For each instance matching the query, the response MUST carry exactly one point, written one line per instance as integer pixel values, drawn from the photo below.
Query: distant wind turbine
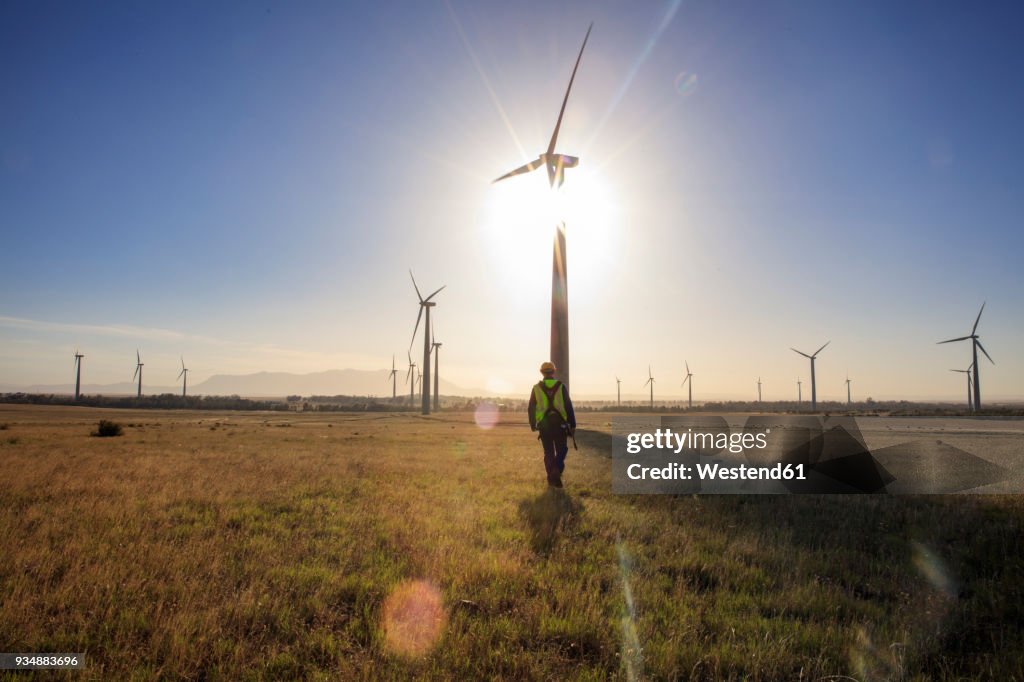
(425, 304)
(618, 389)
(814, 388)
(688, 379)
(436, 346)
(976, 344)
(556, 165)
(650, 380)
(799, 391)
(848, 380)
(393, 376)
(183, 374)
(759, 389)
(78, 373)
(411, 375)
(970, 399)
(138, 370)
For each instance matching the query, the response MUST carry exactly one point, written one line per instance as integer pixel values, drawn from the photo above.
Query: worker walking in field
(551, 413)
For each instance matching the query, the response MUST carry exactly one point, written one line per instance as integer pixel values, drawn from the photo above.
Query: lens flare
(413, 618)
(934, 569)
(486, 415)
(632, 658)
(686, 83)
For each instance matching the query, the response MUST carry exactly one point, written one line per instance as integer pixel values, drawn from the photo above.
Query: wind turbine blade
(800, 352)
(415, 329)
(985, 351)
(138, 358)
(181, 372)
(647, 382)
(136, 373)
(978, 319)
(820, 349)
(533, 165)
(433, 294)
(962, 338)
(415, 287)
(684, 381)
(558, 124)
(687, 367)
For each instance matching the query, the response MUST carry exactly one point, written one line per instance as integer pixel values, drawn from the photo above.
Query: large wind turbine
(393, 376)
(970, 400)
(976, 344)
(78, 373)
(183, 374)
(814, 391)
(425, 304)
(138, 370)
(689, 378)
(650, 380)
(556, 165)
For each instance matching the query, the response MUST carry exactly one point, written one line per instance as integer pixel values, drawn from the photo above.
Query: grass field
(300, 546)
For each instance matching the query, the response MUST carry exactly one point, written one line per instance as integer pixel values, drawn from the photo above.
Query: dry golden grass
(302, 546)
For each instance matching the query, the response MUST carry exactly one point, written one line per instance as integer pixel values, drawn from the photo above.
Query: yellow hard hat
(547, 367)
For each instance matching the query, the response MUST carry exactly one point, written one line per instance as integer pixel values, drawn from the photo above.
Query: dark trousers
(556, 447)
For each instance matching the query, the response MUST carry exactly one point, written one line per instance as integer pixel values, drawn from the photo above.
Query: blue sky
(247, 185)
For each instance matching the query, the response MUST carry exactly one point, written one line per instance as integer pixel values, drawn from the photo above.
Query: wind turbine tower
(814, 391)
(618, 389)
(688, 379)
(183, 374)
(556, 165)
(436, 345)
(650, 380)
(78, 374)
(425, 304)
(848, 400)
(976, 344)
(759, 389)
(799, 391)
(970, 399)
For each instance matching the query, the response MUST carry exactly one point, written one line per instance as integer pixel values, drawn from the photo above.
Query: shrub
(107, 429)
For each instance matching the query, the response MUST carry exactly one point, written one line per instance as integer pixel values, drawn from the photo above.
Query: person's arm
(532, 408)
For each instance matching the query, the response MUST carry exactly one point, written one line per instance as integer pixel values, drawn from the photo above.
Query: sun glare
(518, 225)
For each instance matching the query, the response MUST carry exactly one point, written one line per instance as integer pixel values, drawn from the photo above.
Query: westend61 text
(717, 472)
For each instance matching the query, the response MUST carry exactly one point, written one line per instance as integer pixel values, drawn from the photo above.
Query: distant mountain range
(352, 382)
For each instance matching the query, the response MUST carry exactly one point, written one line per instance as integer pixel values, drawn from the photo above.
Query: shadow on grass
(595, 442)
(928, 583)
(548, 514)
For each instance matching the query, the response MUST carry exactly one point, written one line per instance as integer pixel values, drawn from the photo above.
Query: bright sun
(518, 224)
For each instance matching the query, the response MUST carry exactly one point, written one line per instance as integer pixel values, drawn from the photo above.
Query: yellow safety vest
(540, 394)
